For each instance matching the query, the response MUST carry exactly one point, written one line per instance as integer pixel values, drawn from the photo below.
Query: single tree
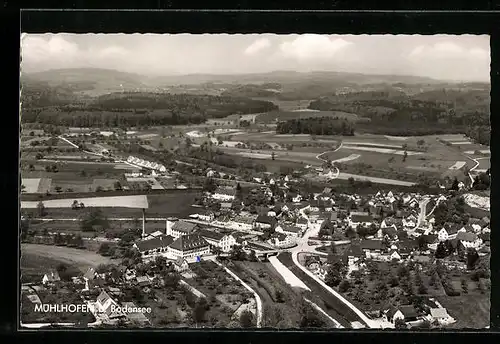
(246, 319)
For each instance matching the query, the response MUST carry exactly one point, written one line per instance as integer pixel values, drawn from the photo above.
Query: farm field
(30, 184)
(82, 259)
(33, 265)
(484, 164)
(137, 201)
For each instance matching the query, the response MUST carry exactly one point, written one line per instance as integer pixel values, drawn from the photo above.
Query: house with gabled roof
(356, 219)
(469, 240)
(180, 264)
(51, 277)
(189, 246)
(224, 193)
(289, 230)
(265, 222)
(223, 241)
(177, 228)
(407, 313)
(302, 223)
(107, 307)
(154, 247)
(280, 240)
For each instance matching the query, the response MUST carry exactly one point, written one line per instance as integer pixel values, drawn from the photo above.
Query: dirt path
(82, 258)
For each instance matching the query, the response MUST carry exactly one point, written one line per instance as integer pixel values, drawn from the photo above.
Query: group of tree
(316, 126)
(93, 219)
(140, 109)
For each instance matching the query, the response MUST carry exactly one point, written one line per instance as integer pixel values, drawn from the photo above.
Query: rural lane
(257, 297)
(346, 176)
(303, 246)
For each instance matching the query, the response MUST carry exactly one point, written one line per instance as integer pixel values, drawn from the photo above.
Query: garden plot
(44, 185)
(147, 136)
(138, 201)
(104, 183)
(481, 151)
(155, 185)
(396, 138)
(372, 144)
(458, 165)
(255, 155)
(347, 158)
(126, 167)
(460, 142)
(31, 184)
(380, 150)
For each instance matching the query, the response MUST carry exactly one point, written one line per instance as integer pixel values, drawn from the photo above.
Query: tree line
(316, 126)
(139, 109)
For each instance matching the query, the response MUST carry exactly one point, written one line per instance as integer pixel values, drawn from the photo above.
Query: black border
(217, 22)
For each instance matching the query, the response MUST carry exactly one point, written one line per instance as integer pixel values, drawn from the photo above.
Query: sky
(443, 57)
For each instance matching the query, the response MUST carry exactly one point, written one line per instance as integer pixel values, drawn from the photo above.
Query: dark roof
(465, 236)
(183, 226)
(188, 242)
(485, 236)
(371, 244)
(408, 311)
(302, 220)
(430, 238)
(290, 228)
(205, 233)
(151, 244)
(265, 219)
(361, 218)
(354, 250)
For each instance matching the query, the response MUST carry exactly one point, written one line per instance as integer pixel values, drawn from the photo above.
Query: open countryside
(276, 200)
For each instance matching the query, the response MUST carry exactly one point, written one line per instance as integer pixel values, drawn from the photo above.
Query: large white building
(223, 241)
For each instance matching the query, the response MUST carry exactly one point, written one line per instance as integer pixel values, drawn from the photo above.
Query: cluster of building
(146, 164)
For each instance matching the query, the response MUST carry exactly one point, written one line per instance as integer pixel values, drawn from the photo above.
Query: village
(348, 243)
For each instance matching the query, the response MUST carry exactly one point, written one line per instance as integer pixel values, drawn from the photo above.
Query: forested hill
(425, 113)
(141, 108)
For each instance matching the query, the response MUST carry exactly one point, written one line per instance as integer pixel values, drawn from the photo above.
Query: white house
(106, 306)
(280, 240)
(443, 234)
(289, 230)
(224, 241)
(224, 194)
(297, 199)
(176, 228)
(469, 240)
(51, 277)
(302, 223)
(180, 264)
(440, 315)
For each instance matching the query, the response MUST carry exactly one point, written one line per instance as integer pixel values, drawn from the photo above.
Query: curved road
(303, 246)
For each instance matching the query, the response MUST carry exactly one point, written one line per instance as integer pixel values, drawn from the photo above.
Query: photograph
(254, 181)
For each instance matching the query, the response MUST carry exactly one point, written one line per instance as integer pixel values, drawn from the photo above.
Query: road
(423, 208)
(346, 176)
(303, 246)
(257, 297)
